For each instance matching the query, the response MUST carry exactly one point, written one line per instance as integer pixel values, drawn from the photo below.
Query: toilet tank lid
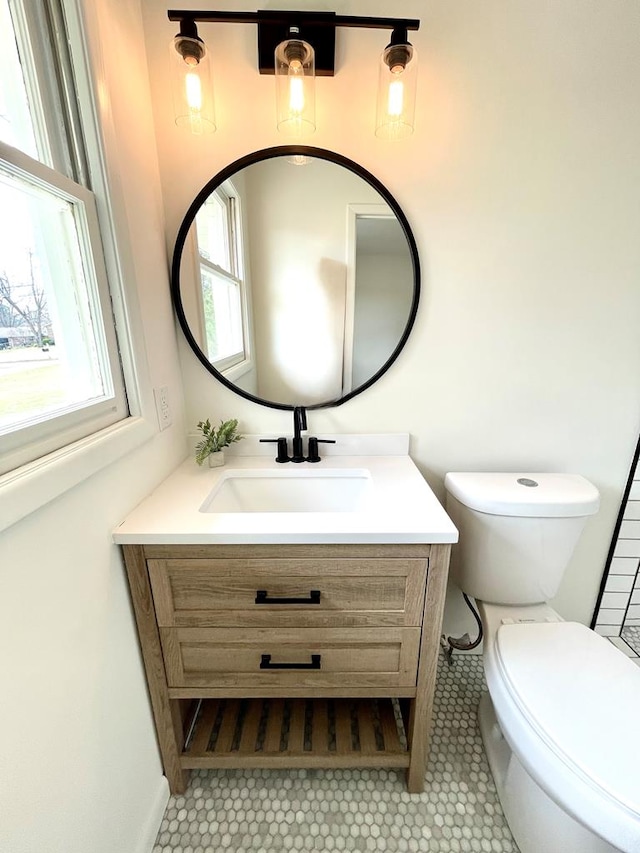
(524, 494)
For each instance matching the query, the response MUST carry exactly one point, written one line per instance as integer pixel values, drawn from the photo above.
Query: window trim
(47, 70)
(29, 442)
(236, 364)
(32, 486)
(234, 358)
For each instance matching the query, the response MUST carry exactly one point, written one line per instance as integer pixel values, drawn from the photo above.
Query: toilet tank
(517, 532)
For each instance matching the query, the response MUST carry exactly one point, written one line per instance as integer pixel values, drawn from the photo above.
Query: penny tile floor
(631, 634)
(238, 811)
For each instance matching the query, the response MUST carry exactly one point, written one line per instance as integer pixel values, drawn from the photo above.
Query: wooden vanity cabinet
(290, 655)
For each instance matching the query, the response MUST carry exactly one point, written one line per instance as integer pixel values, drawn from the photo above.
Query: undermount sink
(290, 490)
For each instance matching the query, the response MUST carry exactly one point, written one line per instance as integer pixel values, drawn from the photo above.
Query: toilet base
(537, 823)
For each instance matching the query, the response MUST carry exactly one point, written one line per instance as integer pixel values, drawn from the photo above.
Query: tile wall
(617, 613)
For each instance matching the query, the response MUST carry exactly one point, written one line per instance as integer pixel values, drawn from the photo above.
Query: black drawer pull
(265, 663)
(261, 598)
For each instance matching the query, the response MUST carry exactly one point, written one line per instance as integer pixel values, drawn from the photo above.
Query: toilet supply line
(463, 643)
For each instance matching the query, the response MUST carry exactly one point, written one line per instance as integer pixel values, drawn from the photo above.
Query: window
(222, 280)
(60, 377)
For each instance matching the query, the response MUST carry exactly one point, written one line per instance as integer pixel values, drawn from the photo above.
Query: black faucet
(299, 424)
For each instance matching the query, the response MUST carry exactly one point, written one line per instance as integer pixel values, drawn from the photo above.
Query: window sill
(31, 486)
(238, 370)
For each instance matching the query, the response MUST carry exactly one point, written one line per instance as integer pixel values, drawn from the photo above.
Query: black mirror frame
(224, 175)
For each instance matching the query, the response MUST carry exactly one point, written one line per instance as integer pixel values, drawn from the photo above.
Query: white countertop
(402, 509)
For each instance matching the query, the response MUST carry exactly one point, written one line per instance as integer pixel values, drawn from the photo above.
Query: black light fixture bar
(285, 17)
(377, 23)
(318, 28)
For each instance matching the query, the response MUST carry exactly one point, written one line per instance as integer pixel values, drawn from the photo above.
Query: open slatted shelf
(295, 733)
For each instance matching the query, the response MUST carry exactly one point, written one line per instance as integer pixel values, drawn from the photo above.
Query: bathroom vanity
(289, 614)
(291, 638)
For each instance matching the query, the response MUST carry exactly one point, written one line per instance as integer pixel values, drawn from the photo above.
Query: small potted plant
(214, 439)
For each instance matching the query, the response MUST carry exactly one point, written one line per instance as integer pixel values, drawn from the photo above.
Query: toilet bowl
(556, 723)
(559, 723)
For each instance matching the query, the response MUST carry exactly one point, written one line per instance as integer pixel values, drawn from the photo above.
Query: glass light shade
(298, 160)
(397, 91)
(295, 87)
(191, 85)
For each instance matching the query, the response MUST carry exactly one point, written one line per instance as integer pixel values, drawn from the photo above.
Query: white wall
(80, 771)
(520, 184)
(298, 273)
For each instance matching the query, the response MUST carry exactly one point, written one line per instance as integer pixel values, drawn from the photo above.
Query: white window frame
(64, 426)
(32, 485)
(236, 364)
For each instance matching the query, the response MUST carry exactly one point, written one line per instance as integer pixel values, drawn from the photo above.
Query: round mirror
(295, 277)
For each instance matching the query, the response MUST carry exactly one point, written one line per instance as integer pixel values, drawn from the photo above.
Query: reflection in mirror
(221, 293)
(297, 282)
(631, 635)
(380, 311)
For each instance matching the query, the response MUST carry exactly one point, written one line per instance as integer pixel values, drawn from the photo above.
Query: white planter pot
(216, 459)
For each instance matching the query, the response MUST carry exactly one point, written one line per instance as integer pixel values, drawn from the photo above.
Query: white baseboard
(151, 825)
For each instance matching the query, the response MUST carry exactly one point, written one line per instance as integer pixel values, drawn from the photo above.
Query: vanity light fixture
(192, 88)
(397, 87)
(295, 85)
(295, 47)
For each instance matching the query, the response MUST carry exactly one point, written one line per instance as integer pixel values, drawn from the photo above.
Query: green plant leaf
(215, 439)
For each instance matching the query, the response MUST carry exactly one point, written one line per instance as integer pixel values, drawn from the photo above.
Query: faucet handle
(283, 451)
(314, 456)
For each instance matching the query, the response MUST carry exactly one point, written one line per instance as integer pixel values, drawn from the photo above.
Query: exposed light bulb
(296, 87)
(395, 100)
(396, 88)
(295, 79)
(193, 90)
(191, 83)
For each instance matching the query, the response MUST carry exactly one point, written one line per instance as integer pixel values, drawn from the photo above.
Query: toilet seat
(567, 700)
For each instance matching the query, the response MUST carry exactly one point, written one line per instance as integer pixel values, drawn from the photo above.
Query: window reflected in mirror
(222, 294)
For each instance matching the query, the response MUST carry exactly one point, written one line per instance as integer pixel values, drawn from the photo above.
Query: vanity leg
(166, 712)
(419, 730)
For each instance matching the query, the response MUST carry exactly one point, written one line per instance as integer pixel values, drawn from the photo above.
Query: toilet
(560, 721)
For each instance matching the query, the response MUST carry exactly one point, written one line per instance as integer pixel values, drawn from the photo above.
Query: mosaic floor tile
(631, 635)
(265, 811)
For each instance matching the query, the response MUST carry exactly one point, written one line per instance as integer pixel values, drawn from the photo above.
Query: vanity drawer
(298, 659)
(288, 592)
